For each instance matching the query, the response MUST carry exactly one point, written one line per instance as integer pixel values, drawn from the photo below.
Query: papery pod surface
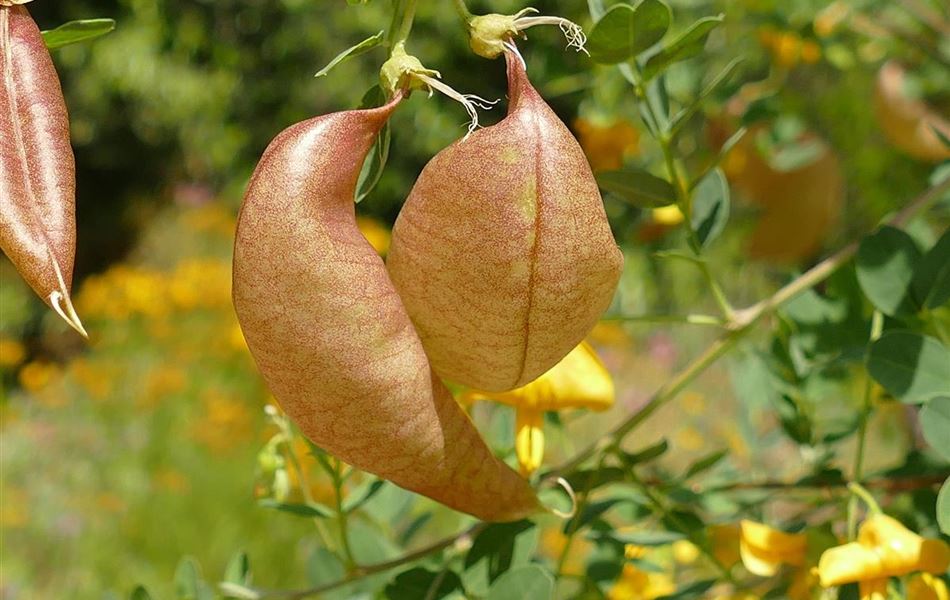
(502, 252)
(331, 336)
(38, 174)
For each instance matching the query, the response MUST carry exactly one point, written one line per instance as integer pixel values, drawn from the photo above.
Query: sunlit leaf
(74, 32)
(361, 48)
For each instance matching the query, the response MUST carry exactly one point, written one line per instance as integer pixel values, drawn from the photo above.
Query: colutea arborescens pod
(37, 169)
(502, 252)
(331, 336)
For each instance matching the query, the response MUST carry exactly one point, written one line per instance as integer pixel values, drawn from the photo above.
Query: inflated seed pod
(37, 168)
(502, 252)
(331, 336)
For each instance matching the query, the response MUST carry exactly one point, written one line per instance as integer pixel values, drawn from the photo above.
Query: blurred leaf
(413, 528)
(796, 155)
(188, 582)
(313, 510)
(379, 154)
(885, 266)
(238, 569)
(237, 591)
(693, 590)
(361, 48)
(795, 423)
(637, 187)
(74, 32)
(525, 583)
(943, 508)
(422, 583)
(930, 286)
(625, 31)
(710, 206)
(940, 135)
(324, 567)
(687, 45)
(591, 479)
(591, 511)
(498, 548)
(683, 116)
(705, 463)
(911, 366)
(647, 454)
(935, 422)
(647, 538)
(362, 494)
(140, 593)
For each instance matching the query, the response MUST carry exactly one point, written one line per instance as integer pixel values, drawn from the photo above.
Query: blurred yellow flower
(607, 145)
(873, 589)
(36, 375)
(685, 552)
(636, 584)
(924, 586)
(15, 509)
(724, 539)
(764, 549)
(552, 545)
(690, 438)
(885, 548)
(377, 234)
(12, 352)
(171, 480)
(226, 423)
(580, 380)
(669, 215)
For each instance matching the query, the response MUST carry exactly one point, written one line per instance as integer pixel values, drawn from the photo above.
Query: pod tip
(63, 306)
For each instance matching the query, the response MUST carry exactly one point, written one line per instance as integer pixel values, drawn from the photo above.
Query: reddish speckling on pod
(502, 252)
(331, 336)
(37, 168)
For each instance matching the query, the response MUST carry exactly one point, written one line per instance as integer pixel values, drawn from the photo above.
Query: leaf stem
(857, 472)
(462, 10)
(403, 15)
(707, 320)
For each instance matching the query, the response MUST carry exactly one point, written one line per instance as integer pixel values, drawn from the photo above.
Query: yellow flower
(685, 552)
(606, 145)
(885, 548)
(764, 549)
(724, 539)
(636, 584)
(925, 586)
(669, 215)
(12, 352)
(375, 233)
(580, 380)
(36, 375)
(873, 589)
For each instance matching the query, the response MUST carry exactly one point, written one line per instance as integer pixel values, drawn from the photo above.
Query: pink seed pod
(331, 336)
(502, 252)
(37, 168)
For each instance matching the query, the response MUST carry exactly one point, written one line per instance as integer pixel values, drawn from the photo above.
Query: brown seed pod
(502, 253)
(38, 174)
(331, 336)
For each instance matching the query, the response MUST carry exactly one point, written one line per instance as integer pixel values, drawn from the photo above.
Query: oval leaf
(885, 266)
(943, 508)
(637, 187)
(689, 43)
(626, 31)
(935, 422)
(710, 206)
(364, 46)
(930, 286)
(911, 366)
(525, 583)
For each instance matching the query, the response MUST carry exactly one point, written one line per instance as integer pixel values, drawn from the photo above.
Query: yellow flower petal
(874, 589)
(925, 586)
(848, 563)
(580, 380)
(529, 439)
(901, 550)
(764, 549)
(667, 215)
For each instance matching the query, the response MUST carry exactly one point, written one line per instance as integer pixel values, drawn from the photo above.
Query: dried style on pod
(331, 336)
(38, 174)
(502, 253)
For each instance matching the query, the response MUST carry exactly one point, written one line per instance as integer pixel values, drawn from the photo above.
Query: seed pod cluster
(502, 253)
(38, 178)
(331, 336)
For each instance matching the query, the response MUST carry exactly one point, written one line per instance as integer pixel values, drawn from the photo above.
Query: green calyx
(488, 33)
(402, 70)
